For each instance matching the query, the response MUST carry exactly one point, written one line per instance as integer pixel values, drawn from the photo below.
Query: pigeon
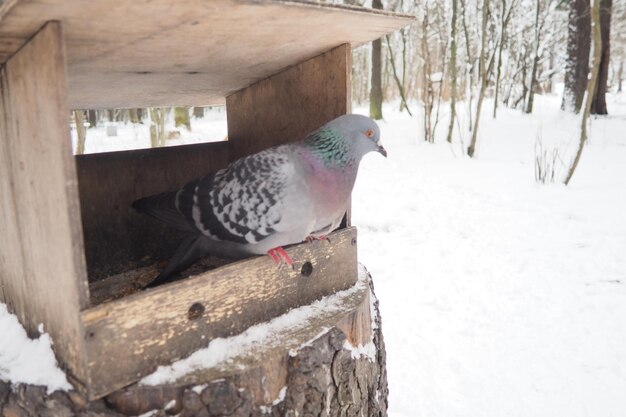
(258, 204)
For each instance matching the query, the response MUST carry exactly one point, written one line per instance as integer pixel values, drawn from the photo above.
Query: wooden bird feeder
(71, 244)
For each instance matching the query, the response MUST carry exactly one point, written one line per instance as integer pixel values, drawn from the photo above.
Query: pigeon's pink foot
(314, 238)
(279, 255)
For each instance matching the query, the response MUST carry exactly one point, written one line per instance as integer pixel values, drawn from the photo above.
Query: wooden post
(42, 267)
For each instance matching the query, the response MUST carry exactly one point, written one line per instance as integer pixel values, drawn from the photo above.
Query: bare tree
(598, 105)
(483, 77)
(452, 66)
(577, 64)
(591, 86)
(181, 117)
(376, 92)
(81, 134)
(157, 126)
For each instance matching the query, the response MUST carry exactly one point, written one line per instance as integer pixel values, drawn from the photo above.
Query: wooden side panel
(289, 105)
(116, 237)
(128, 338)
(11, 258)
(43, 268)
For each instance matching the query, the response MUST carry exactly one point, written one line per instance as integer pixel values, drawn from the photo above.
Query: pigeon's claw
(279, 255)
(312, 238)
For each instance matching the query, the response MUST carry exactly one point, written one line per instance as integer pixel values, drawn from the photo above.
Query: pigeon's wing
(163, 207)
(243, 203)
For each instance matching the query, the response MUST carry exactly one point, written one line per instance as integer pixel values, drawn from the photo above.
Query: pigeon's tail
(189, 250)
(163, 207)
(193, 247)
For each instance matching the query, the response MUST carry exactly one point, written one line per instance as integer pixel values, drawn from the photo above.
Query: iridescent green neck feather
(330, 146)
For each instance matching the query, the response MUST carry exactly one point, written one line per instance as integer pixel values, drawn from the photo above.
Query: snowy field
(500, 296)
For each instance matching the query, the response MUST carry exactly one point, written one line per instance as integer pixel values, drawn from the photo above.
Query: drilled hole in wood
(307, 269)
(195, 311)
(353, 242)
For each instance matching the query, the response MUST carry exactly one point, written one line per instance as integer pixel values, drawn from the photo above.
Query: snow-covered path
(500, 297)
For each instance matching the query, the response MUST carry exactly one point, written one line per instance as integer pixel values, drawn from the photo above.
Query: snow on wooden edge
(224, 350)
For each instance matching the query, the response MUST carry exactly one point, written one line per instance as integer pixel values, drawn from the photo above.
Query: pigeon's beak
(381, 150)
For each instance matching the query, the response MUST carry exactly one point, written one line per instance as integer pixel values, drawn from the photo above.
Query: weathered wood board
(213, 48)
(116, 237)
(128, 338)
(261, 365)
(42, 259)
(287, 106)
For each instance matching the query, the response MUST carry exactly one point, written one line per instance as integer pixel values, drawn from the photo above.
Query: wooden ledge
(127, 338)
(258, 357)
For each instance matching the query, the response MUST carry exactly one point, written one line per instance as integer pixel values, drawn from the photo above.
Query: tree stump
(340, 371)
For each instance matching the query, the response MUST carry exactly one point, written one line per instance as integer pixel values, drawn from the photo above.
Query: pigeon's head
(361, 133)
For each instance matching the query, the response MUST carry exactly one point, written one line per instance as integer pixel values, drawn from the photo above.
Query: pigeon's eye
(369, 133)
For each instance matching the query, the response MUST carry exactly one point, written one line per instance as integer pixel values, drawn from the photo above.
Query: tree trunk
(134, 116)
(92, 118)
(591, 87)
(198, 112)
(533, 71)
(468, 67)
(81, 134)
(181, 117)
(598, 105)
(376, 91)
(483, 78)
(157, 126)
(453, 80)
(577, 63)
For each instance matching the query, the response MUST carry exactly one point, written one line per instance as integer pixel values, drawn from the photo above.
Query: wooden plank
(263, 367)
(213, 48)
(50, 285)
(117, 238)
(11, 257)
(128, 338)
(289, 105)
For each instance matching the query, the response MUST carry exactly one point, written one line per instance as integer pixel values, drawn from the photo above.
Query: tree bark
(484, 73)
(598, 105)
(157, 126)
(577, 63)
(181, 117)
(81, 134)
(376, 91)
(453, 81)
(591, 87)
(533, 71)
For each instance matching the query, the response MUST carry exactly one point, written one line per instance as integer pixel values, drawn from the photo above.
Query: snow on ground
(499, 296)
(23, 360)
(210, 128)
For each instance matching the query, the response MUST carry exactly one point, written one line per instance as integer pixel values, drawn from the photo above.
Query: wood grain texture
(263, 371)
(128, 338)
(287, 106)
(116, 237)
(214, 48)
(43, 268)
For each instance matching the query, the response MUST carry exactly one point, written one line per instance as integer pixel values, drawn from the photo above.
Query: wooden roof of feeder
(162, 52)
